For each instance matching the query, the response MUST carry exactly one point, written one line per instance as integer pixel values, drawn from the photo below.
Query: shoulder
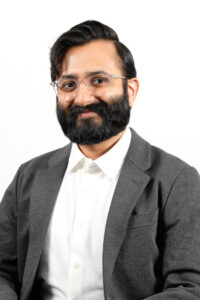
(166, 162)
(170, 169)
(45, 160)
(162, 167)
(147, 156)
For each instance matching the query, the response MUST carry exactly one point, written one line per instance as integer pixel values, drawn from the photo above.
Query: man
(108, 216)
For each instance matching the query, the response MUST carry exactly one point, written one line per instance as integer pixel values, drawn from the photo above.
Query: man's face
(88, 119)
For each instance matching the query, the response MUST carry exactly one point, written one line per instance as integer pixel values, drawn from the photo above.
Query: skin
(93, 56)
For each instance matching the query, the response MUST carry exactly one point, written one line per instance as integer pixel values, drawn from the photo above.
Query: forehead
(90, 57)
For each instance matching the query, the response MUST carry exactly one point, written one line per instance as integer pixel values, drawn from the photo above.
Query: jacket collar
(139, 152)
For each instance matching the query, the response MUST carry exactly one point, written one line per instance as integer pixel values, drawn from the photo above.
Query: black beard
(114, 117)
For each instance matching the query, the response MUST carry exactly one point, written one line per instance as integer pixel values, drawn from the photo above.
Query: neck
(96, 150)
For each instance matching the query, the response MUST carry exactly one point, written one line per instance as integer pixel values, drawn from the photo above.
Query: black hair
(83, 33)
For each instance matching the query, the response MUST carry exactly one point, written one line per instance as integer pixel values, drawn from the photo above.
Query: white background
(164, 37)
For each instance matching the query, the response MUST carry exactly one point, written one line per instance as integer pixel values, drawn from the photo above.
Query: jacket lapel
(43, 197)
(131, 184)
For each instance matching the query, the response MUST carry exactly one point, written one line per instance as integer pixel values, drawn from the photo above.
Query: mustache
(98, 108)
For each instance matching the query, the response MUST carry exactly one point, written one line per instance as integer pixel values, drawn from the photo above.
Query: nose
(84, 97)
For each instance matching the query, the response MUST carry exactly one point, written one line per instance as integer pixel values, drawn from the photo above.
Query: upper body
(151, 241)
(150, 237)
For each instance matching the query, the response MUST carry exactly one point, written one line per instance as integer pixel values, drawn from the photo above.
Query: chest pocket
(143, 219)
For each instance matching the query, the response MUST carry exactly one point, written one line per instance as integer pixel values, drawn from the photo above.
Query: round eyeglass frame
(85, 81)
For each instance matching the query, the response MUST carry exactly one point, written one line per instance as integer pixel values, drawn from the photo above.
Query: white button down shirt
(71, 262)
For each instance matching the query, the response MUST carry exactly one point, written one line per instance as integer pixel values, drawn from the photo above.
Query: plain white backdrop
(163, 36)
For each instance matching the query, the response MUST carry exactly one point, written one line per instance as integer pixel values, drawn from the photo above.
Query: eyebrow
(74, 76)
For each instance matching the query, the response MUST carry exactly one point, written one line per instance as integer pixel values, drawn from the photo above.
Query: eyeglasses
(98, 84)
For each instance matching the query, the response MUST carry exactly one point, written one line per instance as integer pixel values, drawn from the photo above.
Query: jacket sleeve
(9, 285)
(181, 239)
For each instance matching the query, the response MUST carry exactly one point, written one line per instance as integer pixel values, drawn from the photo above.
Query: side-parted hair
(86, 32)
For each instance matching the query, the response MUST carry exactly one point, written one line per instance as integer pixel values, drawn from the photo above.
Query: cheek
(117, 86)
(64, 104)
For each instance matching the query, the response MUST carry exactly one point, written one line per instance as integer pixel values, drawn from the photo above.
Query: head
(91, 46)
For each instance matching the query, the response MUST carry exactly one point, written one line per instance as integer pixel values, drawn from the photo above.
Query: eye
(100, 81)
(67, 85)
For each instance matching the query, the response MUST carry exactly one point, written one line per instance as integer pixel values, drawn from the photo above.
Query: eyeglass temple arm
(118, 76)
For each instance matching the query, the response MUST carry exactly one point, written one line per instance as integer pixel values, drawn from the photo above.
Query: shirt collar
(110, 163)
(76, 158)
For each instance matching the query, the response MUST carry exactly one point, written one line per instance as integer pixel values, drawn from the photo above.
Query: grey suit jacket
(152, 236)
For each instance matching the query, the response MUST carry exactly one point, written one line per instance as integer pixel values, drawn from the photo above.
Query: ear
(133, 87)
